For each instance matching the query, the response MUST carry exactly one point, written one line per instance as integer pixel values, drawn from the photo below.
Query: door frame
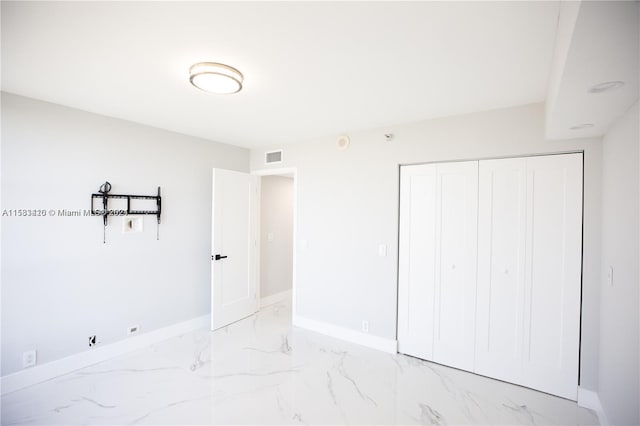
(277, 172)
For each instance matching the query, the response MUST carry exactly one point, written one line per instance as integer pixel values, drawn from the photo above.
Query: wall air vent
(273, 157)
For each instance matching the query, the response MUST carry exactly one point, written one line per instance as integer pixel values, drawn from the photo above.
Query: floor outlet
(365, 326)
(29, 358)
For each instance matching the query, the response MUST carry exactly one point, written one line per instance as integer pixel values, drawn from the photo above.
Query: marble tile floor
(261, 371)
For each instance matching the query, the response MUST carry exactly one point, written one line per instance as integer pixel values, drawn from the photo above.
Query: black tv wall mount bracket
(105, 195)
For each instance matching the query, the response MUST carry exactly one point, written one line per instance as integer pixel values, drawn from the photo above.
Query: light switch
(382, 250)
(270, 237)
(610, 276)
(304, 244)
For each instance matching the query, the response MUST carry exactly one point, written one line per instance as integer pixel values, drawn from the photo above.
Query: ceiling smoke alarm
(343, 142)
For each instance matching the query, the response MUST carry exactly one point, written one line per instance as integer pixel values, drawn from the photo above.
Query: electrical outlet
(92, 341)
(131, 224)
(29, 358)
(365, 326)
(133, 330)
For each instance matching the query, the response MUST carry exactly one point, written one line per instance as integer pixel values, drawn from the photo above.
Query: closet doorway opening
(276, 239)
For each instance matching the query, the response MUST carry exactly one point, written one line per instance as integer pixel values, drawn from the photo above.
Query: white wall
(618, 387)
(348, 204)
(60, 283)
(276, 218)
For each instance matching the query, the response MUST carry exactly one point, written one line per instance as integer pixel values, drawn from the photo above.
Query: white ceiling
(602, 44)
(311, 69)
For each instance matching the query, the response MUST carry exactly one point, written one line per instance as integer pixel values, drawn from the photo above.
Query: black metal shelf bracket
(104, 195)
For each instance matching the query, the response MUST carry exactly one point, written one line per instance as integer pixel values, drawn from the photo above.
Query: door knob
(218, 257)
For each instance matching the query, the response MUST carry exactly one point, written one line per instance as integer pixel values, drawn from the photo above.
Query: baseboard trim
(590, 399)
(40, 373)
(342, 333)
(275, 298)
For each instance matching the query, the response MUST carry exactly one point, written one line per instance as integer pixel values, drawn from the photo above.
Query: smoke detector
(342, 142)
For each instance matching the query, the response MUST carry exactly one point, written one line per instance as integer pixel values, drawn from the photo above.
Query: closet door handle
(218, 257)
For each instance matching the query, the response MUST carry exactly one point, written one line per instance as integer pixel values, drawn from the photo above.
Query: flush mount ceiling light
(607, 86)
(581, 126)
(216, 78)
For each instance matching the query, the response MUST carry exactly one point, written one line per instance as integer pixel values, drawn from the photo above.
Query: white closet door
(417, 260)
(501, 268)
(529, 271)
(455, 271)
(437, 275)
(522, 223)
(553, 274)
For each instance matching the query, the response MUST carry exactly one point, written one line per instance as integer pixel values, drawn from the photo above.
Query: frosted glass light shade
(216, 78)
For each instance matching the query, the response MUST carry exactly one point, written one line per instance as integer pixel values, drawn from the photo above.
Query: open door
(234, 244)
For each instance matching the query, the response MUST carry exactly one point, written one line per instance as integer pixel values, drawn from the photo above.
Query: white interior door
(490, 259)
(455, 271)
(234, 243)
(553, 273)
(417, 260)
(501, 268)
(437, 273)
(529, 271)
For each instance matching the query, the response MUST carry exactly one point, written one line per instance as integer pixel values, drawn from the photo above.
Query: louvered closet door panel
(501, 268)
(455, 264)
(553, 274)
(417, 260)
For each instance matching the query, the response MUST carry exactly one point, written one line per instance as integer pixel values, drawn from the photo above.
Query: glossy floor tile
(261, 371)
